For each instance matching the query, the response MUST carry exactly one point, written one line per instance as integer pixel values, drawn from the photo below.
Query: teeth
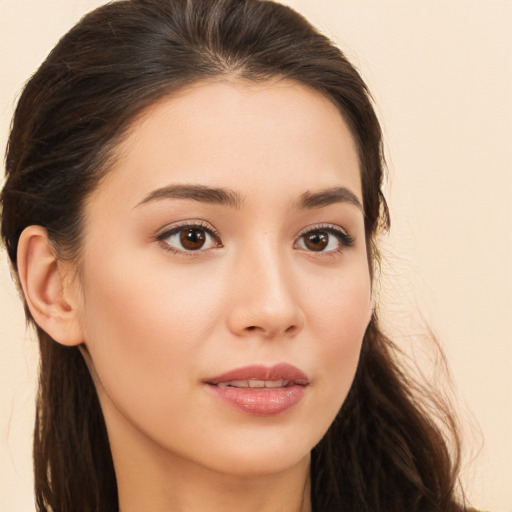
(276, 383)
(255, 383)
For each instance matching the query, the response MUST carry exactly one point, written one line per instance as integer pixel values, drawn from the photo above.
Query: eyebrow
(226, 197)
(201, 193)
(309, 200)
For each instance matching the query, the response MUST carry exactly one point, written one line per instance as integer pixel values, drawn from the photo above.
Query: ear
(47, 287)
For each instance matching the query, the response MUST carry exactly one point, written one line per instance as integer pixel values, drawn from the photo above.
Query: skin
(155, 323)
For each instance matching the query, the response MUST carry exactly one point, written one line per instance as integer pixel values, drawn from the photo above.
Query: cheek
(144, 330)
(137, 301)
(340, 323)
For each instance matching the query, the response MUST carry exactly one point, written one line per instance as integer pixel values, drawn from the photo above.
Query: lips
(256, 384)
(260, 390)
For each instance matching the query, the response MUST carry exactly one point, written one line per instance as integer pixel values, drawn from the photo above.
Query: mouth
(260, 376)
(259, 384)
(260, 390)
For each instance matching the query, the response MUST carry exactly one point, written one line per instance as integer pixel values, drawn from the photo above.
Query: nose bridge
(266, 300)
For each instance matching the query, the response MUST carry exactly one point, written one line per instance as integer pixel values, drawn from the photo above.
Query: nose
(265, 297)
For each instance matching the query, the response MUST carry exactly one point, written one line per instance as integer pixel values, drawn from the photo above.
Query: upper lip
(281, 371)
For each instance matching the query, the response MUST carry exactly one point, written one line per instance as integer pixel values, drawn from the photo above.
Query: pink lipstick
(260, 390)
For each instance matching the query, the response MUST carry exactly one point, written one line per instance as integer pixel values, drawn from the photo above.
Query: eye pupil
(192, 238)
(316, 241)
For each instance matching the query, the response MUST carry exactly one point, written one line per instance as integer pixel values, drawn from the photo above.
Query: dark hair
(383, 452)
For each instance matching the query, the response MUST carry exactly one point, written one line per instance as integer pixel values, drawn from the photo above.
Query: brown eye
(316, 240)
(192, 239)
(326, 240)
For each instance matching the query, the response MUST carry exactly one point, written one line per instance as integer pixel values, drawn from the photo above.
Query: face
(224, 284)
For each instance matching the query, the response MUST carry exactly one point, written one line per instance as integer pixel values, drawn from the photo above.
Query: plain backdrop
(441, 75)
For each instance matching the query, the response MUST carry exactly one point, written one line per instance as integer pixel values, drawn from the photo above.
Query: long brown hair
(383, 452)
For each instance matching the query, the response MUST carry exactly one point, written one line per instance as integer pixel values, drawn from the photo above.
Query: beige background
(441, 73)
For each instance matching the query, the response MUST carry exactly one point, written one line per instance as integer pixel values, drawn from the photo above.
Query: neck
(179, 485)
(151, 478)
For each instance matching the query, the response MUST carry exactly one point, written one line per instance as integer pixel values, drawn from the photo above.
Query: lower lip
(258, 401)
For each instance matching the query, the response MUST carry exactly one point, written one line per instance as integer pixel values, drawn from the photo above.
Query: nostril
(290, 330)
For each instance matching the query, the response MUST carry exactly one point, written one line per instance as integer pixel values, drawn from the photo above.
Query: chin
(253, 465)
(261, 455)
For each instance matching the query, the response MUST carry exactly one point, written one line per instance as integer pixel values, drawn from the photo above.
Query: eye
(190, 238)
(325, 239)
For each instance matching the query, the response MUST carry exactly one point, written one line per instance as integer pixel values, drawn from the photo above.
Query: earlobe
(46, 288)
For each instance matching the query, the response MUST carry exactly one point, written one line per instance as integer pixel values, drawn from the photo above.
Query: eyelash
(187, 225)
(346, 240)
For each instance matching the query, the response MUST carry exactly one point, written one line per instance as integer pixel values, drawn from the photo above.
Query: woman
(191, 208)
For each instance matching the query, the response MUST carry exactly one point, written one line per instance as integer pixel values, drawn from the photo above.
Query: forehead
(240, 135)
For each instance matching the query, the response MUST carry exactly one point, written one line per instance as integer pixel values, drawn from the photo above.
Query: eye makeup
(317, 238)
(192, 235)
(196, 236)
